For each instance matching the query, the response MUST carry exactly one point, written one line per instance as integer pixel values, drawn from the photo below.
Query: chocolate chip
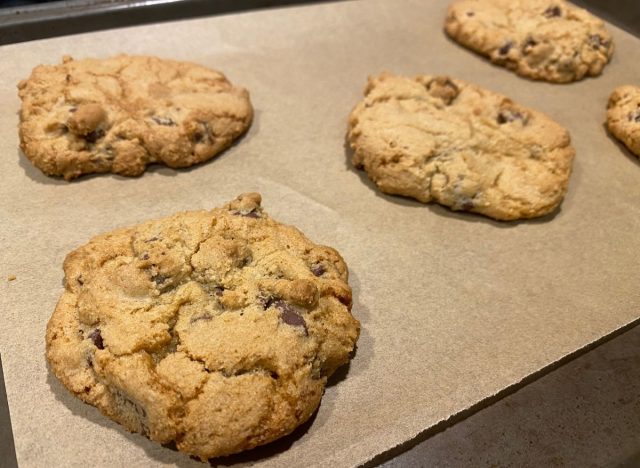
(266, 301)
(94, 136)
(552, 12)
(318, 269)
(205, 317)
(204, 134)
(218, 290)
(470, 13)
(253, 213)
(506, 47)
(443, 88)
(164, 121)
(597, 41)
(529, 44)
(96, 337)
(145, 256)
(159, 279)
(634, 116)
(80, 280)
(73, 109)
(290, 316)
(509, 115)
(89, 361)
(87, 389)
(467, 204)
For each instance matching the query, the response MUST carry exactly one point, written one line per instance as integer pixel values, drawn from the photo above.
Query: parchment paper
(454, 307)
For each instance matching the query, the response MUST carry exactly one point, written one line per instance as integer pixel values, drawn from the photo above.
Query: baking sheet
(454, 307)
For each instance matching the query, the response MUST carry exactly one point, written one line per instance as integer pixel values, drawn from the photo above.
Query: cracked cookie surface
(623, 116)
(549, 40)
(213, 329)
(122, 113)
(435, 138)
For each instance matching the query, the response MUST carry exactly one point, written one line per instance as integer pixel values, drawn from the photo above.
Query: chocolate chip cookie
(623, 116)
(549, 40)
(216, 330)
(435, 138)
(120, 114)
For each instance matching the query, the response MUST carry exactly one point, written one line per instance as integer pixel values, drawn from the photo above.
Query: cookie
(120, 114)
(216, 330)
(435, 138)
(549, 40)
(623, 116)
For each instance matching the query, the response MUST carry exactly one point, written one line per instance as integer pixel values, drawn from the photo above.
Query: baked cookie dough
(216, 330)
(435, 138)
(549, 40)
(120, 114)
(623, 116)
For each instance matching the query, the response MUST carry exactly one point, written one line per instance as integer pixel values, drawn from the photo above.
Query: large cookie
(541, 39)
(120, 114)
(439, 139)
(623, 116)
(214, 329)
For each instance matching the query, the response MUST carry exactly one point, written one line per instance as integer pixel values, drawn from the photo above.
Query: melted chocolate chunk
(266, 301)
(96, 337)
(254, 213)
(318, 269)
(290, 316)
(552, 12)
(204, 134)
(94, 136)
(159, 279)
(529, 44)
(504, 50)
(164, 121)
(87, 389)
(509, 115)
(467, 204)
(205, 317)
(634, 116)
(597, 41)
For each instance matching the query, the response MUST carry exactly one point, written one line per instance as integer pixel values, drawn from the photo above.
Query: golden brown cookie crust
(435, 138)
(122, 113)
(623, 116)
(214, 329)
(549, 40)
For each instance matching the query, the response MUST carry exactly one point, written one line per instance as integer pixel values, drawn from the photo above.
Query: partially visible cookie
(120, 114)
(549, 40)
(623, 116)
(216, 330)
(435, 138)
